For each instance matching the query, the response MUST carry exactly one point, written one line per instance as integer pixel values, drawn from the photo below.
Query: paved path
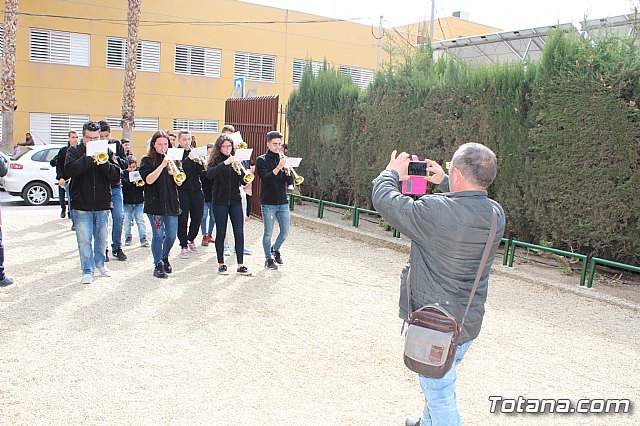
(317, 342)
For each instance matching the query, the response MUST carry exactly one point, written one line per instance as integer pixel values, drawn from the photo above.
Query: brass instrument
(178, 176)
(297, 179)
(100, 158)
(202, 160)
(139, 183)
(242, 145)
(239, 169)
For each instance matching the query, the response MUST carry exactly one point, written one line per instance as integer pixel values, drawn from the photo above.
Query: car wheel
(36, 194)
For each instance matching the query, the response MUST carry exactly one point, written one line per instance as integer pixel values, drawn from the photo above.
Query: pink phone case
(416, 185)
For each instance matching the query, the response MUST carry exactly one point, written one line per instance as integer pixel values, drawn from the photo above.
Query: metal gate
(253, 118)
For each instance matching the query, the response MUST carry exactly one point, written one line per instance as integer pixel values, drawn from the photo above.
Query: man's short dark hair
(91, 126)
(132, 160)
(104, 126)
(71, 132)
(274, 134)
(228, 128)
(124, 140)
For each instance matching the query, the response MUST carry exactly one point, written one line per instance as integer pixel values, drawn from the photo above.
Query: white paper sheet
(200, 152)
(112, 147)
(243, 154)
(236, 138)
(95, 147)
(293, 162)
(134, 176)
(175, 154)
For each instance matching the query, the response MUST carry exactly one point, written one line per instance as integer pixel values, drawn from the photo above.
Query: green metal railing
(578, 256)
(595, 260)
(355, 211)
(509, 244)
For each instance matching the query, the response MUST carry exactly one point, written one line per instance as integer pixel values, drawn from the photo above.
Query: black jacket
(193, 171)
(120, 159)
(160, 197)
(273, 188)
(131, 194)
(90, 187)
(207, 186)
(58, 161)
(226, 183)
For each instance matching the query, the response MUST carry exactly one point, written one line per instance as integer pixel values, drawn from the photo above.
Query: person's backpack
(54, 160)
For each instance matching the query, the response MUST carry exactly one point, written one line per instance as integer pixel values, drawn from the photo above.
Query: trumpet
(242, 145)
(297, 179)
(178, 176)
(239, 169)
(139, 183)
(202, 160)
(100, 158)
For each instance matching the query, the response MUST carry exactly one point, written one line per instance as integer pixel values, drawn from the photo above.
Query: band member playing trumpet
(225, 195)
(273, 198)
(161, 203)
(191, 198)
(90, 190)
(133, 196)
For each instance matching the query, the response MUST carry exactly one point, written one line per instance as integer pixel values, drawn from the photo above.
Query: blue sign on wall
(238, 83)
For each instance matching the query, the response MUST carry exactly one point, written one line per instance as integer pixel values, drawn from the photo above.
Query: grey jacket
(448, 234)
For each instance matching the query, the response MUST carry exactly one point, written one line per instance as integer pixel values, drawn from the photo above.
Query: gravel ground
(316, 342)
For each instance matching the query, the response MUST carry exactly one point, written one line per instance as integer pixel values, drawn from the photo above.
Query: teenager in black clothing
(191, 198)
(226, 201)
(133, 198)
(161, 202)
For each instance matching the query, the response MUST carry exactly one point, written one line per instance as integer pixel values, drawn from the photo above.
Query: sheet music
(95, 147)
(175, 154)
(200, 152)
(293, 162)
(134, 176)
(236, 138)
(243, 154)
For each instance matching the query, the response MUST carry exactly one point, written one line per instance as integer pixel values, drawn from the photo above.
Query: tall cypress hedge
(566, 132)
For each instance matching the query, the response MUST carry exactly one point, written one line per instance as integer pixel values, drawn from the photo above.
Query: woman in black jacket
(161, 202)
(226, 201)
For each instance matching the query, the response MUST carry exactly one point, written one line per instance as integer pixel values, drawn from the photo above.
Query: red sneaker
(205, 240)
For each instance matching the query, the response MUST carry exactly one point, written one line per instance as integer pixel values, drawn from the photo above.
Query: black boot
(167, 266)
(159, 272)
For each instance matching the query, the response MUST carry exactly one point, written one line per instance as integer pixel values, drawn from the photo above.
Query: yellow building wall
(97, 90)
(445, 29)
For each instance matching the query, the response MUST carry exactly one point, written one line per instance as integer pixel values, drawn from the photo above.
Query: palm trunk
(9, 73)
(129, 93)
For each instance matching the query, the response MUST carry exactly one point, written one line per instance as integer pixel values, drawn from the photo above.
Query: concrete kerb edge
(325, 227)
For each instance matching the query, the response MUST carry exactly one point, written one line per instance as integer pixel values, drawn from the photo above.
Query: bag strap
(483, 262)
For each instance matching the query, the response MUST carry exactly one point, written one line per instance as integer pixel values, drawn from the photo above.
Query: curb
(328, 228)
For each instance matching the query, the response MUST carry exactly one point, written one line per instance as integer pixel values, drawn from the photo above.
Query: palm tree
(9, 73)
(129, 93)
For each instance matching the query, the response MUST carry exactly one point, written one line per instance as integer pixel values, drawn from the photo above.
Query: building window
(255, 67)
(54, 128)
(148, 54)
(193, 60)
(201, 126)
(298, 69)
(361, 77)
(58, 47)
(139, 124)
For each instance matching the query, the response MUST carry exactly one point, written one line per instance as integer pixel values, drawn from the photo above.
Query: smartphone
(417, 168)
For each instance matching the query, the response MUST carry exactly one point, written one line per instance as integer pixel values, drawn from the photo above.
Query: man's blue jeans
(207, 213)
(441, 407)
(117, 213)
(1, 257)
(271, 213)
(164, 230)
(91, 227)
(135, 211)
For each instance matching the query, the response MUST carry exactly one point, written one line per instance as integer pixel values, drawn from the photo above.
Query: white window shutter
(212, 62)
(40, 127)
(201, 126)
(79, 49)
(255, 67)
(116, 49)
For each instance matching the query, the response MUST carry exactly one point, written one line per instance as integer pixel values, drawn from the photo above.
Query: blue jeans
(440, 406)
(91, 227)
(164, 230)
(1, 257)
(208, 213)
(235, 212)
(271, 213)
(135, 211)
(117, 213)
(66, 190)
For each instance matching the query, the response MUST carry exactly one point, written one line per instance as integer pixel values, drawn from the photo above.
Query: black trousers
(62, 197)
(222, 213)
(192, 205)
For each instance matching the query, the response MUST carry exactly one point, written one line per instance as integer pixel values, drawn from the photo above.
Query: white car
(31, 176)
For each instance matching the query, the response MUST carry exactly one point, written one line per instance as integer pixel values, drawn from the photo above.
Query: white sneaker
(184, 253)
(86, 279)
(104, 271)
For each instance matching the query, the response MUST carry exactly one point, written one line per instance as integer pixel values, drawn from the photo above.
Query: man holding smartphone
(448, 235)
